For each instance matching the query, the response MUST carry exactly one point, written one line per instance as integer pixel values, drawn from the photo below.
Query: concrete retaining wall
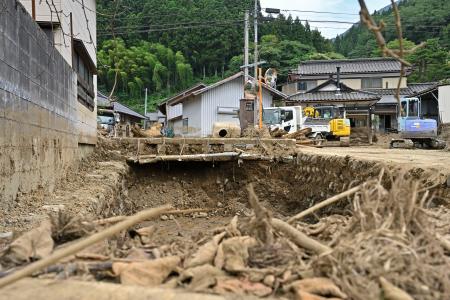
(38, 107)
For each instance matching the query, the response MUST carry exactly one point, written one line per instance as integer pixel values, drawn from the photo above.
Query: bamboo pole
(82, 244)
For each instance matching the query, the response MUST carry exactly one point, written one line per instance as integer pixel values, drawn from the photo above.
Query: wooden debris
(324, 203)
(82, 244)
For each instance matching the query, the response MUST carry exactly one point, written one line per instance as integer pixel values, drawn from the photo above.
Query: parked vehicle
(325, 122)
(415, 131)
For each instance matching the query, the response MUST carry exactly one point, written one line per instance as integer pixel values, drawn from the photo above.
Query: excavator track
(401, 144)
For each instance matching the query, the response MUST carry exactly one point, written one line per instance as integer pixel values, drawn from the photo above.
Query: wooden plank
(216, 141)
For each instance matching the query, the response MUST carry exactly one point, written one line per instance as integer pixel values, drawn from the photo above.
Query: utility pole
(246, 45)
(255, 13)
(145, 110)
(33, 9)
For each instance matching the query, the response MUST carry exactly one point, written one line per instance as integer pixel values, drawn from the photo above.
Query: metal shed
(219, 102)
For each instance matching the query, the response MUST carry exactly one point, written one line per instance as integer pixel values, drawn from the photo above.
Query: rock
(54, 207)
(164, 218)
(269, 280)
(202, 215)
(171, 217)
(219, 204)
(6, 235)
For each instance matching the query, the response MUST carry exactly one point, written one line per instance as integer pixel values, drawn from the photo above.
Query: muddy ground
(105, 185)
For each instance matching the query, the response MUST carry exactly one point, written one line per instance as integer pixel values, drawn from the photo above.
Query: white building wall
(227, 95)
(174, 111)
(444, 103)
(192, 112)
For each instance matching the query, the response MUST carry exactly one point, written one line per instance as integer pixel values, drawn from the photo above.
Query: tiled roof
(349, 66)
(120, 108)
(331, 96)
(412, 89)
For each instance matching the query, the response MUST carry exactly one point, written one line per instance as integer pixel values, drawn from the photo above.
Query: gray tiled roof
(349, 66)
(331, 96)
(412, 89)
(120, 108)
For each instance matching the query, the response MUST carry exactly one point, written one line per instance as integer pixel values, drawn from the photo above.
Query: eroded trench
(284, 187)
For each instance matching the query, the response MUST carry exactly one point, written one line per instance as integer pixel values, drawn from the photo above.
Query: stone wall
(38, 107)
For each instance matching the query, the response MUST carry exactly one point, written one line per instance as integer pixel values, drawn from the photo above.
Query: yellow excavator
(327, 122)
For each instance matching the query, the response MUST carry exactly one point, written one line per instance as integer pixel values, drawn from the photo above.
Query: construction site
(334, 184)
(243, 218)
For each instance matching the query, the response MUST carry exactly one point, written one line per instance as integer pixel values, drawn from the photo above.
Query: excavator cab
(415, 131)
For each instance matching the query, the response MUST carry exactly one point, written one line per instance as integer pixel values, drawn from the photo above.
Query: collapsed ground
(105, 186)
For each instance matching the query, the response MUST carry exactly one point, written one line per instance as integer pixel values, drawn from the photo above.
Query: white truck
(325, 122)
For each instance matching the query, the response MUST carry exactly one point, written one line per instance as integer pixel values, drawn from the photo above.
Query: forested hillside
(423, 21)
(166, 46)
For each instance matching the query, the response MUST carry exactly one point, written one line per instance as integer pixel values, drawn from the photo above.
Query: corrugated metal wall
(227, 95)
(174, 111)
(192, 110)
(444, 103)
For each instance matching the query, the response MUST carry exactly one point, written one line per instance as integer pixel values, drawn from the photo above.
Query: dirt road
(426, 159)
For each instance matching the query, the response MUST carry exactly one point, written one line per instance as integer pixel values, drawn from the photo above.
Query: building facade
(193, 112)
(379, 76)
(45, 127)
(70, 26)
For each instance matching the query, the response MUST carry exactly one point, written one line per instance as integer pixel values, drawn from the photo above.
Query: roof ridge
(348, 60)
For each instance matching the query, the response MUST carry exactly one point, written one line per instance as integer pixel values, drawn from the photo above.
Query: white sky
(337, 6)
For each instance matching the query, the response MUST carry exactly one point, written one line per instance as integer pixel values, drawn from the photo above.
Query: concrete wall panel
(39, 111)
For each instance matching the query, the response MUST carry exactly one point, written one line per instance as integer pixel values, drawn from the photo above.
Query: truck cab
(288, 118)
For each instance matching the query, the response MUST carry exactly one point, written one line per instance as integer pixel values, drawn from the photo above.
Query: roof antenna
(338, 84)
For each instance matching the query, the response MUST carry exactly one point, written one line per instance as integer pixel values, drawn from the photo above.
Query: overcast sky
(348, 8)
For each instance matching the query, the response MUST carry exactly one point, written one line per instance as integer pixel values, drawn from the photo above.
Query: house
(125, 116)
(358, 105)
(194, 111)
(368, 75)
(70, 26)
(155, 117)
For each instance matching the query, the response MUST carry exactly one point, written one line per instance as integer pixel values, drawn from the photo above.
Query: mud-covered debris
(206, 253)
(317, 286)
(391, 292)
(146, 273)
(232, 254)
(201, 278)
(241, 286)
(32, 245)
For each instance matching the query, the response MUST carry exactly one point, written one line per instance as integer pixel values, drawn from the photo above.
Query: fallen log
(82, 244)
(299, 238)
(302, 133)
(324, 203)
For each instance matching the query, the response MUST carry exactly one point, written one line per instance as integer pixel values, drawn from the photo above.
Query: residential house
(368, 75)
(194, 111)
(356, 105)
(71, 27)
(125, 116)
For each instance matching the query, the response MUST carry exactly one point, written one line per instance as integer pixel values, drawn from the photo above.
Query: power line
(172, 28)
(319, 12)
(152, 26)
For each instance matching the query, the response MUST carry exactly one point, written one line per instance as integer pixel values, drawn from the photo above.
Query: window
(185, 126)
(306, 85)
(302, 86)
(372, 83)
(85, 69)
(288, 115)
